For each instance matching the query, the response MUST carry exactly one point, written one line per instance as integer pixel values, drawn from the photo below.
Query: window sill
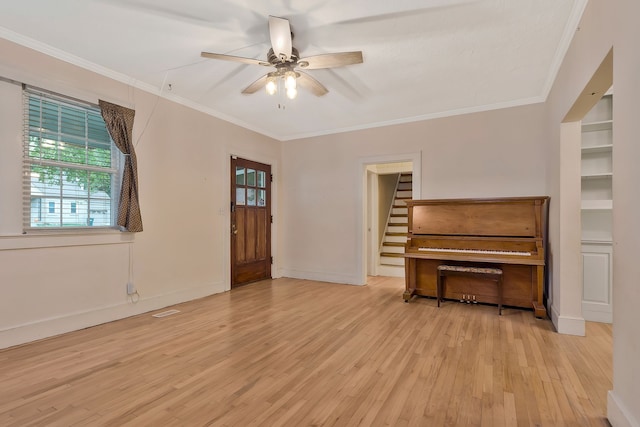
(62, 238)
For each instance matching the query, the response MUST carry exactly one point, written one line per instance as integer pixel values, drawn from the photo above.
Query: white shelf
(597, 242)
(598, 175)
(595, 205)
(596, 126)
(597, 149)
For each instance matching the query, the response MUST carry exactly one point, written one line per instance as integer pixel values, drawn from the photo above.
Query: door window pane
(240, 177)
(251, 177)
(262, 179)
(239, 196)
(262, 197)
(251, 197)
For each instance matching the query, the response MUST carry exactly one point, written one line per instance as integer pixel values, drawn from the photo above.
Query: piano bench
(460, 270)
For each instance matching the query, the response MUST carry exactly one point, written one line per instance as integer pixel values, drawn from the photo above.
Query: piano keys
(474, 251)
(506, 233)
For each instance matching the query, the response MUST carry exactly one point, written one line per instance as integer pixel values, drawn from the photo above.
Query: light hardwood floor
(296, 353)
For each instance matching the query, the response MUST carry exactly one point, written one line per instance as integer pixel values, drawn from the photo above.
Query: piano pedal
(474, 300)
(463, 298)
(468, 300)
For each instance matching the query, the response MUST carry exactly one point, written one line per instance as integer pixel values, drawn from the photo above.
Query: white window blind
(71, 167)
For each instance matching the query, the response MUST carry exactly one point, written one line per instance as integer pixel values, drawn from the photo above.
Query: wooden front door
(250, 221)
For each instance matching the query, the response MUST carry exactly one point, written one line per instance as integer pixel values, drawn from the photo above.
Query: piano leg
(538, 306)
(407, 295)
(409, 279)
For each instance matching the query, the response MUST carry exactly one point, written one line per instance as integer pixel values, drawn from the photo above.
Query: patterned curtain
(119, 121)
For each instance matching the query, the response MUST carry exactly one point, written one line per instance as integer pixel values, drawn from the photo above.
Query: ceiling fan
(287, 62)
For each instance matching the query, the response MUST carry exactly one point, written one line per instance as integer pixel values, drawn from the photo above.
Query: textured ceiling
(422, 58)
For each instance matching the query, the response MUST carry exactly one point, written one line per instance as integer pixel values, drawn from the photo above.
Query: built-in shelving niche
(597, 209)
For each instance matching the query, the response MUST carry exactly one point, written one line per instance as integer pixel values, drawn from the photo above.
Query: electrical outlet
(131, 289)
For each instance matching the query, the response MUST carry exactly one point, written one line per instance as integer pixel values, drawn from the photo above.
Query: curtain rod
(49, 92)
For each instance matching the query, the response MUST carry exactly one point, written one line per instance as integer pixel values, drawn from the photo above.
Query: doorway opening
(387, 182)
(590, 120)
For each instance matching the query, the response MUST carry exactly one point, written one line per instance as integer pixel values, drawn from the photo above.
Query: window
(69, 162)
(245, 180)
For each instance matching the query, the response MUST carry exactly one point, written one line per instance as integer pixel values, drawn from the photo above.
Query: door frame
(225, 210)
(362, 234)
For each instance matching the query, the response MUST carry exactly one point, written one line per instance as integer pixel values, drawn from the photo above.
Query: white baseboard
(597, 312)
(45, 328)
(567, 325)
(597, 316)
(617, 414)
(322, 276)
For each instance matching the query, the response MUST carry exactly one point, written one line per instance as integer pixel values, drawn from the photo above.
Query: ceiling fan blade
(280, 33)
(311, 84)
(330, 60)
(234, 58)
(256, 86)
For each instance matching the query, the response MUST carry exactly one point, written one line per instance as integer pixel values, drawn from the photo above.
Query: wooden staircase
(395, 236)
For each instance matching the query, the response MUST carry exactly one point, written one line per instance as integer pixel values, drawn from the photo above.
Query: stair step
(397, 218)
(401, 238)
(393, 244)
(398, 224)
(392, 260)
(397, 215)
(391, 233)
(392, 254)
(387, 248)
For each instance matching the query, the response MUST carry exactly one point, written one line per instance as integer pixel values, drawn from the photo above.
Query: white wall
(490, 154)
(604, 24)
(590, 45)
(53, 284)
(624, 400)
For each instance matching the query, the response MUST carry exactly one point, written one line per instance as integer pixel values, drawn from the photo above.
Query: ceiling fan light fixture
(290, 80)
(292, 93)
(271, 86)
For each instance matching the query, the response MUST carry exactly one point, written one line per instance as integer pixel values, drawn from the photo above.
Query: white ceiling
(422, 58)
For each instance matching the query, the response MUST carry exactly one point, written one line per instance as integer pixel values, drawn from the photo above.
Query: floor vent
(166, 313)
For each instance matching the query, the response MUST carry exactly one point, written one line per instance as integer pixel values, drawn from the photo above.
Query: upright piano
(506, 233)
